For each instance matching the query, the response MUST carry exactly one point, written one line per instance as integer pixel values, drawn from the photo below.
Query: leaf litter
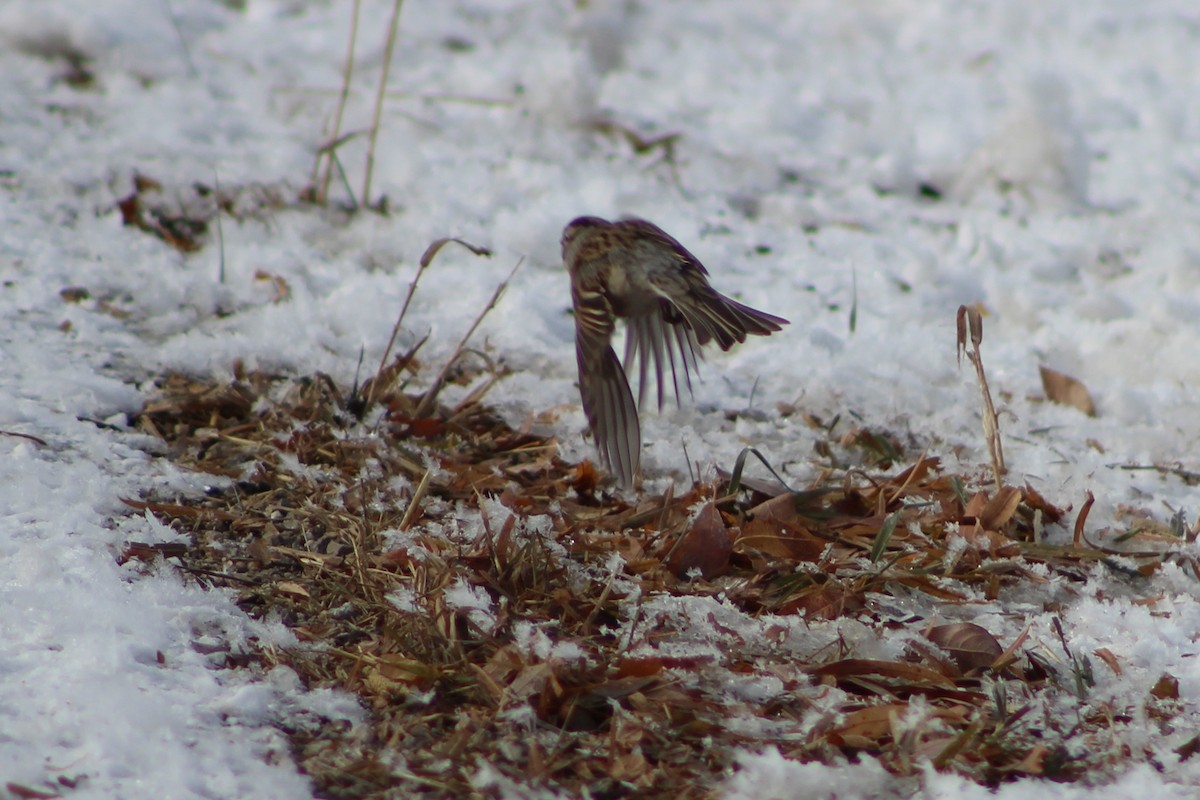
(492, 604)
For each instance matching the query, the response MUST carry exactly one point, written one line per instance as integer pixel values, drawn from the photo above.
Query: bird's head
(576, 230)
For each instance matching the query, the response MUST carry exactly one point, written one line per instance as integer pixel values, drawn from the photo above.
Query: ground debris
(492, 604)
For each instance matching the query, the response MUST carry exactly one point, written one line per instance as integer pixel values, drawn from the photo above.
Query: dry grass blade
(735, 478)
(1190, 477)
(1081, 520)
(324, 180)
(430, 397)
(414, 504)
(29, 436)
(970, 320)
(426, 259)
(1008, 657)
(386, 377)
(381, 92)
(436, 245)
(439, 620)
(884, 536)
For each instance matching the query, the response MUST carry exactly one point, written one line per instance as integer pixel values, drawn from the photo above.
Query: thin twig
(220, 228)
(347, 72)
(28, 436)
(380, 94)
(426, 259)
(430, 396)
(183, 42)
(1189, 477)
(853, 299)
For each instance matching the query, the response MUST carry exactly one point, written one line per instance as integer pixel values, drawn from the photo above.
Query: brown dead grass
(361, 540)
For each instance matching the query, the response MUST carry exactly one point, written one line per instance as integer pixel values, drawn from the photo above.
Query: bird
(634, 270)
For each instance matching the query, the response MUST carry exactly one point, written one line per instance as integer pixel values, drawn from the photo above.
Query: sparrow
(635, 270)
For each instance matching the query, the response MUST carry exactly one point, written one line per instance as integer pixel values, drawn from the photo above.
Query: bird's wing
(651, 338)
(689, 314)
(661, 336)
(715, 317)
(607, 401)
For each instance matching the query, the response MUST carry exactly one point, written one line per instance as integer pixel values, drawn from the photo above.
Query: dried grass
(360, 540)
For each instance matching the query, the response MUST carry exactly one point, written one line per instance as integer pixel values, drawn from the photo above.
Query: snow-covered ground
(898, 157)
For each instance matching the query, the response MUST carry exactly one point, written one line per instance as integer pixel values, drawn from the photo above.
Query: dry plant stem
(220, 229)
(600, 601)
(343, 96)
(28, 436)
(385, 653)
(969, 318)
(389, 50)
(414, 505)
(1006, 658)
(184, 47)
(426, 259)
(387, 351)
(911, 475)
(430, 397)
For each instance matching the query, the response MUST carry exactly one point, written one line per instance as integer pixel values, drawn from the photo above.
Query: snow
(1062, 134)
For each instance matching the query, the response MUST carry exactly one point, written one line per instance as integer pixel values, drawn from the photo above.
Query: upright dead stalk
(969, 320)
(343, 97)
(430, 397)
(426, 259)
(381, 92)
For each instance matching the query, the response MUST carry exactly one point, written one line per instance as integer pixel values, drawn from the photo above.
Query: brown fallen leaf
(706, 546)
(1000, 509)
(26, 793)
(1066, 390)
(1109, 658)
(279, 284)
(898, 670)
(1034, 762)
(1166, 688)
(781, 540)
(970, 645)
(291, 588)
(864, 727)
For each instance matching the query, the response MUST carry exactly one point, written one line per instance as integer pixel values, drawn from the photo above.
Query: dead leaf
(292, 588)
(970, 645)
(1033, 763)
(1166, 688)
(913, 673)
(26, 793)
(705, 547)
(829, 600)
(864, 727)
(1067, 391)
(1081, 519)
(1000, 509)
(781, 539)
(1188, 748)
(1034, 499)
(1107, 656)
(283, 289)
